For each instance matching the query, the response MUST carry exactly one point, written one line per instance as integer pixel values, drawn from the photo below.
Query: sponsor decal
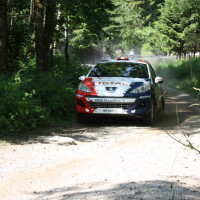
(111, 83)
(111, 100)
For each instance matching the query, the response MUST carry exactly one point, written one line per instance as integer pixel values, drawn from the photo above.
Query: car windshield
(128, 69)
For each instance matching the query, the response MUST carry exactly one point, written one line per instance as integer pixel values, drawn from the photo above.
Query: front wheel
(150, 118)
(162, 108)
(82, 118)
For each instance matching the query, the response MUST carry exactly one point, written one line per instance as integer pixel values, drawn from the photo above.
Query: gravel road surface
(110, 159)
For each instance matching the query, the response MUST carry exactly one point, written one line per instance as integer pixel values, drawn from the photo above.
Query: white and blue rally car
(121, 87)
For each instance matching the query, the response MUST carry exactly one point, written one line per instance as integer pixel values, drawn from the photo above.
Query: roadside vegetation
(45, 44)
(30, 100)
(182, 74)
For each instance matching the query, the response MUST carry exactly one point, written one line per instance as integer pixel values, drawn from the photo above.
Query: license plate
(110, 111)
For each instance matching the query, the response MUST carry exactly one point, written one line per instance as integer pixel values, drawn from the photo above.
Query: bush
(30, 100)
(19, 108)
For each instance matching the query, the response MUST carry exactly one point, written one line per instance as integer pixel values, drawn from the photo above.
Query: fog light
(80, 103)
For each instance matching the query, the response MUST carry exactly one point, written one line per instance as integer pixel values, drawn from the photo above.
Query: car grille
(110, 105)
(124, 105)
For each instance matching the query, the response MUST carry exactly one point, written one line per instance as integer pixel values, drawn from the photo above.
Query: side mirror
(82, 77)
(158, 79)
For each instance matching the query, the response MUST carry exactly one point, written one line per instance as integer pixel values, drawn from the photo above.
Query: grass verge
(182, 74)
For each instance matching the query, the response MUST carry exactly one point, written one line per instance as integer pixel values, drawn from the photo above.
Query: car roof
(123, 61)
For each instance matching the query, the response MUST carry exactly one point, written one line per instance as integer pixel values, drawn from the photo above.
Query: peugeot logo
(111, 89)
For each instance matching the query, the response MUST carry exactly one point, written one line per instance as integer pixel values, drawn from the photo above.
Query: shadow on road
(149, 190)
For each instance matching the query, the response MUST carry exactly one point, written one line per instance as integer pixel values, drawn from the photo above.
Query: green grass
(182, 74)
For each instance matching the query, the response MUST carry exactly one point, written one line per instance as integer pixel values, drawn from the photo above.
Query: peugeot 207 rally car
(120, 87)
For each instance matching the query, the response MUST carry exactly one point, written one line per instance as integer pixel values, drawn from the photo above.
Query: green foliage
(71, 74)
(30, 100)
(83, 21)
(150, 37)
(20, 34)
(191, 23)
(179, 25)
(146, 50)
(124, 32)
(19, 108)
(184, 74)
(149, 9)
(133, 26)
(82, 39)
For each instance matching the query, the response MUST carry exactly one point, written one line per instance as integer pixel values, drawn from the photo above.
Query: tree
(19, 33)
(179, 25)
(169, 25)
(133, 21)
(35, 27)
(89, 17)
(44, 28)
(149, 9)
(123, 32)
(39, 33)
(191, 24)
(3, 35)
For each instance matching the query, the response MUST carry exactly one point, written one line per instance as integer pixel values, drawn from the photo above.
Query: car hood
(113, 86)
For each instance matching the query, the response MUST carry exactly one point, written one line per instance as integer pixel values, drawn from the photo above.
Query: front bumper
(139, 105)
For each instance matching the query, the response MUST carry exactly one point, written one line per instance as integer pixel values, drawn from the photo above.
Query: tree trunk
(39, 17)
(3, 36)
(67, 52)
(44, 32)
(32, 12)
(48, 31)
(67, 45)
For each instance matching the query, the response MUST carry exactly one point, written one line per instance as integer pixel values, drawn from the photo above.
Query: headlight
(141, 89)
(84, 88)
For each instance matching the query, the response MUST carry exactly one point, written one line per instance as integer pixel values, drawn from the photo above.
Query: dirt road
(111, 159)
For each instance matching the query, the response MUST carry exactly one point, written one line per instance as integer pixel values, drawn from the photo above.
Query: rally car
(120, 87)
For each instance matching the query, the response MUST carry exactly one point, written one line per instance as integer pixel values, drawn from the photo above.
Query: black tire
(163, 108)
(82, 118)
(150, 118)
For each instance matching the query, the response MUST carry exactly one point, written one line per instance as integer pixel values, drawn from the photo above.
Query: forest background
(46, 44)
